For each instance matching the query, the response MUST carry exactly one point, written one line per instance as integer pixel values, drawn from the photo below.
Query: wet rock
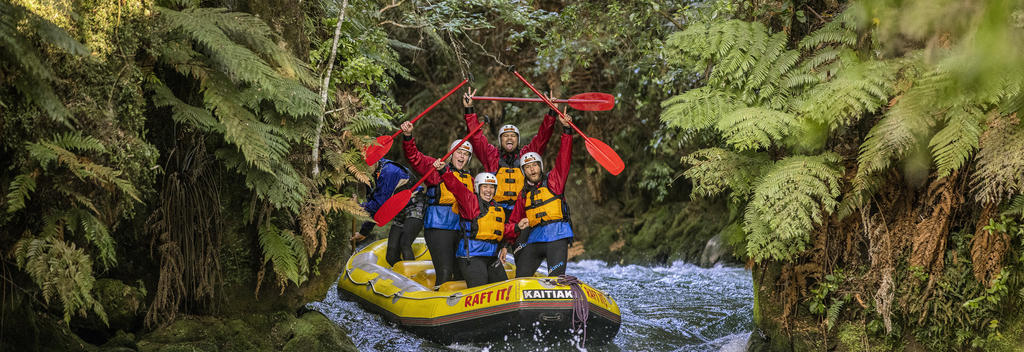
(714, 251)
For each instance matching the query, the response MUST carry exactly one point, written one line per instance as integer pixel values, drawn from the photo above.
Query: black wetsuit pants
(529, 257)
(400, 239)
(441, 244)
(482, 270)
(404, 228)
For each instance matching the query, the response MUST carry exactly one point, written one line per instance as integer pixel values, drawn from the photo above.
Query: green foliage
(755, 128)
(792, 197)
(825, 300)
(240, 70)
(20, 33)
(715, 170)
(286, 252)
(61, 270)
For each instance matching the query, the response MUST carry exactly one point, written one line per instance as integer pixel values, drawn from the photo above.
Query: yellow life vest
(510, 183)
(490, 224)
(446, 197)
(543, 207)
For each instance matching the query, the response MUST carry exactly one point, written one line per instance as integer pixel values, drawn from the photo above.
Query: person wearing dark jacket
(441, 221)
(542, 214)
(503, 161)
(391, 177)
(481, 227)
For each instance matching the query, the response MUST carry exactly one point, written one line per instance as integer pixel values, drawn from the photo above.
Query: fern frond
(342, 204)
(756, 128)
(953, 145)
(715, 170)
(787, 202)
(20, 191)
(893, 136)
(697, 109)
(1000, 170)
(1016, 206)
(18, 49)
(858, 90)
(97, 233)
(62, 271)
(182, 112)
(285, 251)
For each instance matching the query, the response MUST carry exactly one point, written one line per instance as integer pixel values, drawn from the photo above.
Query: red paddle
(582, 102)
(393, 205)
(601, 152)
(375, 152)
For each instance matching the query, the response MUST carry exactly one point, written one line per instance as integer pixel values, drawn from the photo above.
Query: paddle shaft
(550, 104)
(431, 107)
(537, 100)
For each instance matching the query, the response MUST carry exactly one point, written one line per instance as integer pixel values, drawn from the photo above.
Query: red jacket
(469, 208)
(421, 163)
(556, 183)
(489, 154)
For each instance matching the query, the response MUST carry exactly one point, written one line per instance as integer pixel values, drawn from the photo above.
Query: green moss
(251, 332)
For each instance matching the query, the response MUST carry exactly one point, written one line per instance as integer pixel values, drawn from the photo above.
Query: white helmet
(485, 178)
(465, 146)
(529, 158)
(509, 128)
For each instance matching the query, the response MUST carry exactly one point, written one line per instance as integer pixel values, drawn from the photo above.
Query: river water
(681, 307)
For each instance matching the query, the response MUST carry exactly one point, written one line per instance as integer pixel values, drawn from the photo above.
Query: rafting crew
(391, 177)
(503, 161)
(441, 222)
(539, 227)
(481, 227)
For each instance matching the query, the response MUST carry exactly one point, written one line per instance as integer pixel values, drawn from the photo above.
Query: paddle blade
(391, 207)
(605, 156)
(595, 102)
(377, 151)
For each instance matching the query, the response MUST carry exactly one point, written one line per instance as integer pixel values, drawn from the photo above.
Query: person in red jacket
(503, 162)
(481, 228)
(541, 214)
(441, 218)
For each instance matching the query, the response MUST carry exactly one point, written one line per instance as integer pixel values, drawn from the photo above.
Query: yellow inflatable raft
(515, 308)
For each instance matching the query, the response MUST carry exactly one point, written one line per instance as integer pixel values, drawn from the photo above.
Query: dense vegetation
(866, 159)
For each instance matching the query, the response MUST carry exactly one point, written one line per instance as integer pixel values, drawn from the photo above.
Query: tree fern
(715, 170)
(787, 202)
(698, 109)
(1000, 170)
(955, 143)
(61, 270)
(858, 90)
(756, 128)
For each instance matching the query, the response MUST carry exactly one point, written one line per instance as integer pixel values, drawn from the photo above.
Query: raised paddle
(601, 152)
(582, 102)
(393, 205)
(377, 151)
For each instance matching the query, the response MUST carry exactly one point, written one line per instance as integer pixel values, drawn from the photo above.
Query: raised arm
(558, 175)
(487, 153)
(540, 141)
(421, 163)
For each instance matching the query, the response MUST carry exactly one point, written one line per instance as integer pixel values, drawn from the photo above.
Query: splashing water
(681, 307)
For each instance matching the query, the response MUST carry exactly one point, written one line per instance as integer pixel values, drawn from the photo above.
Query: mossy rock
(314, 332)
(251, 332)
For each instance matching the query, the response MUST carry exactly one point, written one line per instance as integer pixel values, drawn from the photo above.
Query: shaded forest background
(864, 159)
